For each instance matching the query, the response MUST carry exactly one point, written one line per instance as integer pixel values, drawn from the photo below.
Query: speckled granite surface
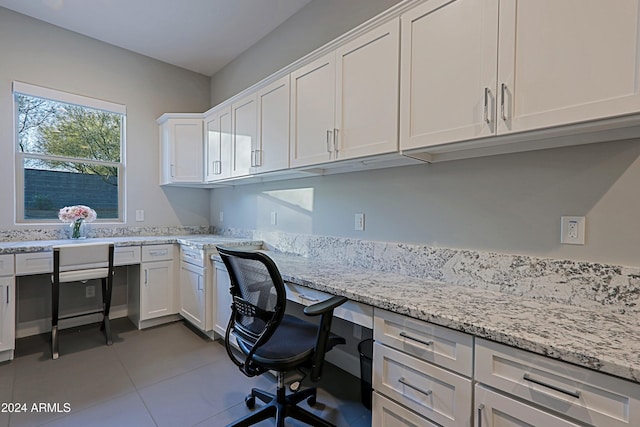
(594, 339)
(192, 241)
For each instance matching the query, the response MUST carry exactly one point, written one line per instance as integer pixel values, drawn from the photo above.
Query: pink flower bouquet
(76, 215)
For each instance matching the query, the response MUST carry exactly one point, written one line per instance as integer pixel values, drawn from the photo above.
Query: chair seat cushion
(292, 343)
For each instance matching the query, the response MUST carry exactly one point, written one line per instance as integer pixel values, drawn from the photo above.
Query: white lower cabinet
(157, 282)
(387, 413)
(497, 410)
(7, 308)
(420, 368)
(565, 390)
(193, 294)
(223, 298)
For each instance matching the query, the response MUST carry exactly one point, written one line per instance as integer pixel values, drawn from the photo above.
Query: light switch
(140, 215)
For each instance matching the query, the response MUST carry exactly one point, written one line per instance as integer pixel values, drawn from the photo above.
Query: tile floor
(163, 376)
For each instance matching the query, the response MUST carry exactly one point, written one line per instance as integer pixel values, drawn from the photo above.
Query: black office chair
(80, 263)
(272, 340)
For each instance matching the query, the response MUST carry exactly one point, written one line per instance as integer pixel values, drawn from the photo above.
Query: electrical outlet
(90, 291)
(572, 230)
(221, 216)
(359, 222)
(140, 215)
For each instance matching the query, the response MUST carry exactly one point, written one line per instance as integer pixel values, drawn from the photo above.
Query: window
(68, 152)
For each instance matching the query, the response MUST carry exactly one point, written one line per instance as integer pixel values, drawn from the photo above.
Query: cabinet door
(567, 62)
(156, 290)
(7, 313)
(183, 140)
(448, 83)
(192, 294)
(272, 149)
(312, 112)
(223, 298)
(496, 410)
(244, 117)
(367, 93)
(387, 413)
(212, 147)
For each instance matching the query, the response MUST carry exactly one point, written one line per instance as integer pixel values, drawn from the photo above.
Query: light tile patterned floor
(163, 376)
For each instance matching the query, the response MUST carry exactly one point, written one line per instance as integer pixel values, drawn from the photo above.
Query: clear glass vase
(78, 229)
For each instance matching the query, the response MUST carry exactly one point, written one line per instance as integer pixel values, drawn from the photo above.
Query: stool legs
(107, 284)
(55, 299)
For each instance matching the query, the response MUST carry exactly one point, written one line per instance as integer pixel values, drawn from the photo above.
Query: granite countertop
(602, 341)
(206, 241)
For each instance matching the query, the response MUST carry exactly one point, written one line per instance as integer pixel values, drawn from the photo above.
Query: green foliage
(72, 132)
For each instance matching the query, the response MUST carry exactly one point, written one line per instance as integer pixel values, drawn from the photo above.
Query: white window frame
(68, 98)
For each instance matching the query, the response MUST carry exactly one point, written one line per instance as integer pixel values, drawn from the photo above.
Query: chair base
(281, 406)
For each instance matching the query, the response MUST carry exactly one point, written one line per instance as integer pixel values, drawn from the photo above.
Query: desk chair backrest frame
(80, 263)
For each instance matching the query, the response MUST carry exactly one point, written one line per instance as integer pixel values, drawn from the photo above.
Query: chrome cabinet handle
(335, 140)
(486, 105)
(409, 337)
(157, 253)
(480, 408)
(258, 156)
(329, 134)
(402, 381)
(503, 90)
(199, 283)
(8, 295)
(253, 158)
(146, 276)
(575, 394)
(173, 170)
(218, 169)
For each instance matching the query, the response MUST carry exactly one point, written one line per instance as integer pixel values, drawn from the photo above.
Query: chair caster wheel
(250, 401)
(311, 400)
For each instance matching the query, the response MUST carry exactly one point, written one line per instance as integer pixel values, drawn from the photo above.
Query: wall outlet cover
(572, 230)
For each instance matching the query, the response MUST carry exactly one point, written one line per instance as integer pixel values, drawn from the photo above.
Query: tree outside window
(67, 154)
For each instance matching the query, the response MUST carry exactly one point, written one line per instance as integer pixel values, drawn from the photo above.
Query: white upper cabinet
(312, 112)
(345, 104)
(181, 148)
(244, 134)
(271, 149)
(567, 61)
(550, 64)
(218, 146)
(367, 94)
(448, 79)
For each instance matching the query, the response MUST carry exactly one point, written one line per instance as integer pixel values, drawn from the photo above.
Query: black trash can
(365, 348)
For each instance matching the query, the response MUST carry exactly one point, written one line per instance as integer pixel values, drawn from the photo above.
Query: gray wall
(38, 53)
(510, 203)
(314, 25)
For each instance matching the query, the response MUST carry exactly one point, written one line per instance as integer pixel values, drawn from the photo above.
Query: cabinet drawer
(351, 311)
(157, 253)
(126, 255)
(439, 395)
(576, 392)
(387, 413)
(6, 265)
(494, 409)
(192, 256)
(34, 263)
(442, 346)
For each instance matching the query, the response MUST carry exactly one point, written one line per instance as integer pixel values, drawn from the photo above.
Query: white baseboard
(41, 326)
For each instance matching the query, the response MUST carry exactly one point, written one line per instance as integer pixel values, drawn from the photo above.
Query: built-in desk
(151, 264)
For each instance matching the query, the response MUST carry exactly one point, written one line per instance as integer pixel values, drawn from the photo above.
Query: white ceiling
(199, 35)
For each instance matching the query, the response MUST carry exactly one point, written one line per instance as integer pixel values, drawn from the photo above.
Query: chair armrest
(325, 306)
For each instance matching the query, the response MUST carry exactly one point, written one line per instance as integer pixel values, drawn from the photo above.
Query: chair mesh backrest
(258, 294)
